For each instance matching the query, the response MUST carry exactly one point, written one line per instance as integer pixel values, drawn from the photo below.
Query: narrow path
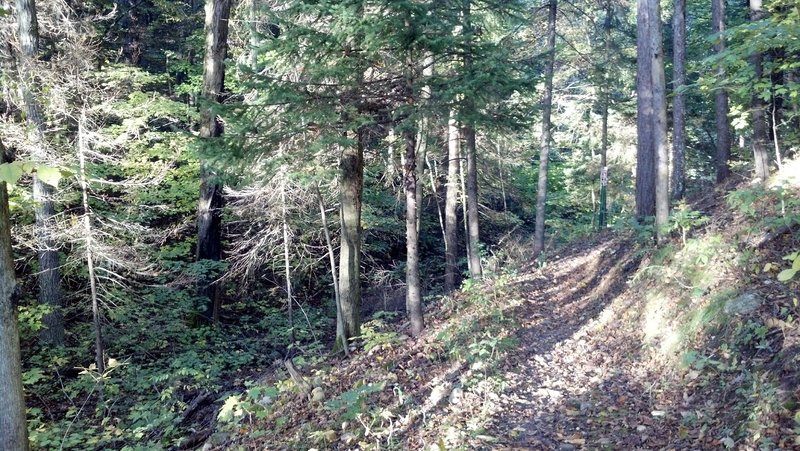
(574, 380)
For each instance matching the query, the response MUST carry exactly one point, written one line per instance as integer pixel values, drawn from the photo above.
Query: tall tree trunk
(500, 147)
(433, 175)
(422, 138)
(778, 158)
(49, 274)
(602, 216)
(252, 56)
(473, 226)
(721, 96)
(89, 243)
(341, 338)
(463, 191)
(287, 262)
(645, 155)
(351, 184)
(13, 428)
(659, 121)
(472, 205)
(451, 203)
(544, 155)
(679, 99)
(758, 107)
(209, 210)
(413, 289)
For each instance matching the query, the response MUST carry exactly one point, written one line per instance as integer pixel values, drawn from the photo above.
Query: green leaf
(796, 264)
(49, 175)
(10, 172)
(227, 411)
(786, 275)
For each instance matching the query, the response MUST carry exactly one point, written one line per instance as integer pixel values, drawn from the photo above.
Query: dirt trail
(575, 378)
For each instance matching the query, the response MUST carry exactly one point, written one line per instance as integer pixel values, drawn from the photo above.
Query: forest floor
(588, 351)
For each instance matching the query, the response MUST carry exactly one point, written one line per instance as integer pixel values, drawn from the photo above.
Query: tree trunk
(252, 56)
(287, 262)
(49, 274)
(720, 95)
(679, 100)
(463, 192)
(451, 203)
(413, 293)
(89, 243)
(659, 121)
(209, 210)
(472, 205)
(473, 226)
(645, 155)
(13, 428)
(602, 216)
(544, 155)
(341, 338)
(422, 138)
(351, 184)
(759, 108)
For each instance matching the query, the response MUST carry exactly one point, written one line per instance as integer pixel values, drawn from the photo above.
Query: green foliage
(353, 401)
(788, 274)
(683, 219)
(377, 336)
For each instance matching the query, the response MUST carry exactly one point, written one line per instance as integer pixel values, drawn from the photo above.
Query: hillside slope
(613, 344)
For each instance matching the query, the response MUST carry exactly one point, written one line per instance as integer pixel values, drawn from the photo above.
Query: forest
(399, 224)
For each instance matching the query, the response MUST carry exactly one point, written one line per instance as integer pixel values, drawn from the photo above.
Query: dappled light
(399, 225)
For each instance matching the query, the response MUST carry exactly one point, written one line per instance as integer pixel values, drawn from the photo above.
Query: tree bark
(721, 96)
(602, 216)
(679, 100)
(89, 243)
(413, 292)
(341, 338)
(351, 185)
(451, 203)
(472, 204)
(44, 210)
(659, 121)
(287, 262)
(645, 155)
(544, 155)
(473, 226)
(13, 428)
(759, 107)
(422, 138)
(463, 192)
(209, 210)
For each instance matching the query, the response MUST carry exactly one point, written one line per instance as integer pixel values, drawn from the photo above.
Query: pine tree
(209, 210)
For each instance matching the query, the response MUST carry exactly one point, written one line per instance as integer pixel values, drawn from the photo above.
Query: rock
(641, 428)
(317, 395)
(217, 439)
(329, 435)
(566, 447)
(348, 438)
(265, 401)
(456, 395)
(438, 394)
(743, 304)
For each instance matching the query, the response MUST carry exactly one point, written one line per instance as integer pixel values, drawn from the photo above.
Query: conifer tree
(209, 210)
(49, 273)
